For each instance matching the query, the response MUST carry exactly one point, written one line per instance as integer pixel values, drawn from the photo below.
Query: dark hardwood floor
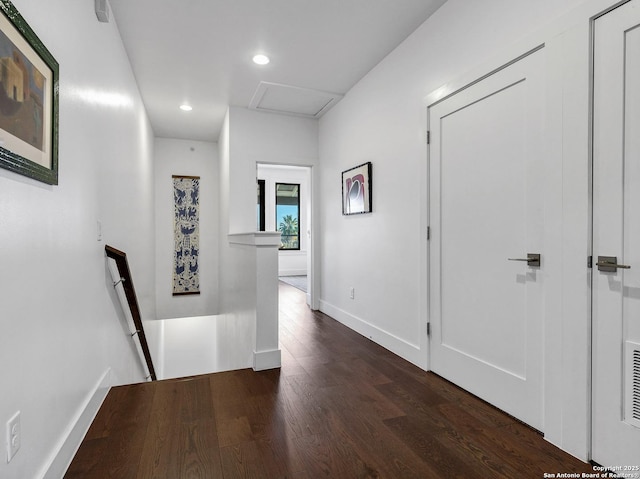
(340, 407)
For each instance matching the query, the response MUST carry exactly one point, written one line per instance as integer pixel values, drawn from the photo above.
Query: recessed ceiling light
(186, 107)
(261, 59)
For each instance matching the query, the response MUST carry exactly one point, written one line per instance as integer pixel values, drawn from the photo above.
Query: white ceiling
(200, 51)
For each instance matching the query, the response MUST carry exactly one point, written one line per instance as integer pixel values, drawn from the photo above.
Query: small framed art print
(356, 190)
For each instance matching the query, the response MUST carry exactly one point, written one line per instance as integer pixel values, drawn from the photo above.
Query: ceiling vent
(291, 100)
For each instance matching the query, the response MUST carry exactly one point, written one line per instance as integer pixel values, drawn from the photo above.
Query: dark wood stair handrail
(127, 283)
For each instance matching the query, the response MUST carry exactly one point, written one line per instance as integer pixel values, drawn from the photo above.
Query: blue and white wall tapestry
(186, 194)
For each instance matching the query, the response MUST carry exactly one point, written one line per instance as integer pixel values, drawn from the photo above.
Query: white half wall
(249, 138)
(205, 344)
(61, 330)
(187, 158)
(247, 272)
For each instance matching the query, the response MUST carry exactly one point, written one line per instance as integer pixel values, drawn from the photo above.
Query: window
(288, 215)
(260, 223)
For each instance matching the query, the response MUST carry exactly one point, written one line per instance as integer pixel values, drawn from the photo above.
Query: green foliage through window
(288, 215)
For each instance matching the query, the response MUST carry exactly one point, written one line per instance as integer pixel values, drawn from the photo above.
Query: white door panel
(486, 206)
(616, 232)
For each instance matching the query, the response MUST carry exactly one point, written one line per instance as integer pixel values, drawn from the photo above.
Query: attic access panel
(291, 100)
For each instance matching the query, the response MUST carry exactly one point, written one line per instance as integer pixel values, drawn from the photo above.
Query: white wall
(60, 326)
(383, 120)
(258, 137)
(293, 262)
(248, 138)
(190, 158)
(205, 344)
(237, 306)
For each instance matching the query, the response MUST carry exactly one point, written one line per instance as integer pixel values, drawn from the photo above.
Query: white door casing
(486, 205)
(616, 233)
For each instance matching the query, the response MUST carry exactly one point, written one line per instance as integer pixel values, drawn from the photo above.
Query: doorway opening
(284, 203)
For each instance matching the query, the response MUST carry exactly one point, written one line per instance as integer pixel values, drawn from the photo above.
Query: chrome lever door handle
(609, 264)
(532, 259)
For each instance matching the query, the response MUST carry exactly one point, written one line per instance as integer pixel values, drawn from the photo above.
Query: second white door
(486, 202)
(616, 240)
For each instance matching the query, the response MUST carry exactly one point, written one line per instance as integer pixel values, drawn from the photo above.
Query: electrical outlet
(352, 293)
(13, 436)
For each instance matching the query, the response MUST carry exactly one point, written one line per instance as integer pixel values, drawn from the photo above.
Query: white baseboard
(292, 272)
(78, 429)
(396, 345)
(267, 360)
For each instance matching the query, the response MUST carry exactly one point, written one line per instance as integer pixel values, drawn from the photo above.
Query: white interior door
(616, 233)
(486, 207)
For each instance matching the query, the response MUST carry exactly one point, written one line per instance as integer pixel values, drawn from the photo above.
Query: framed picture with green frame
(28, 100)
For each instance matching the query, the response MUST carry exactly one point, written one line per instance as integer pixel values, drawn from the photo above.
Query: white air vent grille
(632, 409)
(636, 385)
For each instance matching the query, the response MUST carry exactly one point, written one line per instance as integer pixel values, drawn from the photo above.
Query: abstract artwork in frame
(356, 190)
(28, 100)
(186, 274)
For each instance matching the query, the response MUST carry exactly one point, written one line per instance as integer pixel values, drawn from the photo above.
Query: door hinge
(428, 137)
(428, 329)
(428, 233)
(590, 262)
